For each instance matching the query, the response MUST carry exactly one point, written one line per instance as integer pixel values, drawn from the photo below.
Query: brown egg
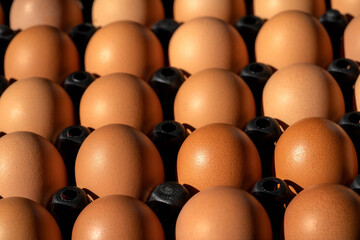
(124, 47)
(352, 39)
(36, 105)
(223, 212)
(267, 9)
(324, 211)
(120, 98)
(62, 14)
(227, 10)
(41, 51)
(145, 12)
(313, 151)
(22, 218)
(293, 37)
(117, 217)
(207, 42)
(300, 91)
(351, 7)
(31, 167)
(218, 154)
(214, 95)
(118, 159)
(357, 94)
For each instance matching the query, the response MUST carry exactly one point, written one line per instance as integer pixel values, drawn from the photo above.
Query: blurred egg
(352, 40)
(118, 159)
(120, 98)
(357, 93)
(145, 12)
(313, 151)
(218, 154)
(62, 14)
(124, 46)
(293, 37)
(31, 167)
(324, 211)
(22, 218)
(300, 91)
(227, 10)
(351, 7)
(214, 95)
(207, 42)
(2, 15)
(117, 217)
(267, 9)
(41, 51)
(223, 212)
(36, 105)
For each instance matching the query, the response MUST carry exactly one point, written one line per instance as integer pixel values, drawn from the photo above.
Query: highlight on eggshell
(227, 10)
(207, 42)
(145, 12)
(347, 7)
(293, 37)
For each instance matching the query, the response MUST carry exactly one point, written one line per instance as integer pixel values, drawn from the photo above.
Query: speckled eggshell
(267, 9)
(214, 95)
(207, 42)
(218, 154)
(293, 37)
(324, 211)
(145, 12)
(22, 218)
(62, 14)
(300, 91)
(31, 167)
(313, 151)
(117, 217)
(351, 7)
(352, 40)
(118, 159)
(120, 98)
(36, 105)
(227, 10)
(41, 51)
(223, 212)
(124, 46)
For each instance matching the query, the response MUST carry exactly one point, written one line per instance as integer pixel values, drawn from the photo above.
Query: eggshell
(207, 42)
(117, 217)
(300, 91)
(22, 218)
(313, 151)
(36, 105)
(351, 7)
(145, 12)
(62, 14)
(352, 39)
(31, 167)
(223, 212)
(357, 93)
(267, 9)
(118, 159)
(227, 10)
(124, 46)
(41, 51)
(120, 98)
(214, 95)
(293, 37)
(218, 154)
(324, 211)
